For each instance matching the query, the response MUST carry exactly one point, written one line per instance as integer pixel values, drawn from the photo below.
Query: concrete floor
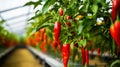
(21, 58)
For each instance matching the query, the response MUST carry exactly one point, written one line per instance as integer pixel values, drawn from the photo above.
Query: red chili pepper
(61, 12)
(68, 24)
(57, 29)
(113, 32)
(59, 45)
(65, 54)
(86, 57)
(83, 55)
(117, 29)
(98, 51)
(115, 8)
(68, 17)
(37, 36)
(42, 31)
(54, 45)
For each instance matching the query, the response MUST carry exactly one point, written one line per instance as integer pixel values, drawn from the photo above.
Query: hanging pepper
(86, 57)
(98, 51)
(54, 45)
(65, 53)
(42, 31)
(115, 8)
(83, 55)
(61, 12)
(57, 29)
(59, 45)
(68, 23)
(37, 36)
(117, 29)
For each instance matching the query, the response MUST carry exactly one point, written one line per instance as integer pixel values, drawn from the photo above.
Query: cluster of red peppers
(115, 28)
(56, 43)
(85, 56)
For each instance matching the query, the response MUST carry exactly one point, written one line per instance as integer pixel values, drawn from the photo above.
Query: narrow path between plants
(21, 58)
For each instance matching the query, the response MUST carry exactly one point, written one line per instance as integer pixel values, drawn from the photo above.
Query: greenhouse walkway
(21, 58)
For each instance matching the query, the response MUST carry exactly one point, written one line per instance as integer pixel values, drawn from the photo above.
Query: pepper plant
(84, 24)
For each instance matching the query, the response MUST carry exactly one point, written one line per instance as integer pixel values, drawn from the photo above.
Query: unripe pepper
(65, 53)
(57, 29)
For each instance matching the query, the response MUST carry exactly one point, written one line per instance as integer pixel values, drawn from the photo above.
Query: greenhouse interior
(59, 33)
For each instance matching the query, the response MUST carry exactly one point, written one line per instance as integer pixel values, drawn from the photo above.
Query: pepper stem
(111, 21)
(117, 17)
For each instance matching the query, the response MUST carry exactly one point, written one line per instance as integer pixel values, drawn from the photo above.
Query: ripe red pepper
(61, 12)
(65, 53)
(117, 29)
(37, 36)
(113, 32)
(57, 29)
(42, 31)
(42, 46)
(54, 45)
(59, 45)
(83, 55)
(68, 24)
(115, 8)
(68, 17)
(98, 51)
(86, 57)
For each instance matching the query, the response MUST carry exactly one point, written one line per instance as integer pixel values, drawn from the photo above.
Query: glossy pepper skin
(112, 31)
(83, 56)
(115, 8)
(115, 32)
(61, 12)
(86, 57)
(117, 29)
(65, 53)
(57, 29)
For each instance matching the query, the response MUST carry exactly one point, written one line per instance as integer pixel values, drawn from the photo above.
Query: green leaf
(2, 21)
(85, 6)
(115, 62)
(94, 9)
(36, 16)
(34, 3)
(80, 28)
(82, 42)
(47, 4)
(44, 25)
